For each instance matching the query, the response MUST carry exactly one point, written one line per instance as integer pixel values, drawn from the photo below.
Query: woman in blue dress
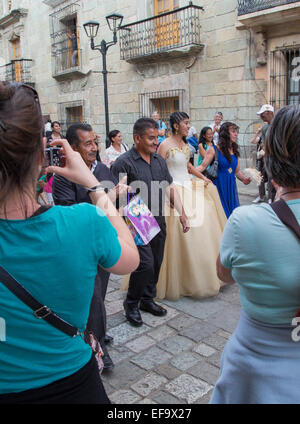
(228, 167)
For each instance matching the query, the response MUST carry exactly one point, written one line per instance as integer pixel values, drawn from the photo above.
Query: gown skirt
(259, 365)
(189, 263)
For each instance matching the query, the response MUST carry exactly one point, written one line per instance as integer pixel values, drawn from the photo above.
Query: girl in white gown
(189, 264)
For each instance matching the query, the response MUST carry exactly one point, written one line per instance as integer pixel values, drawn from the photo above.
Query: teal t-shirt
(54, 256)
(265, 259)
(200, 158)
(161, 126)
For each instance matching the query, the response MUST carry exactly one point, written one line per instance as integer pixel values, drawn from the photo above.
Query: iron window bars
(18, 70)
(285, 76)
(250, 6)
(165, 102)
(175, 29)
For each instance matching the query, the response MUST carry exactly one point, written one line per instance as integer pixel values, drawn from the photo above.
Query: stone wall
(224, 75)
(223, 78)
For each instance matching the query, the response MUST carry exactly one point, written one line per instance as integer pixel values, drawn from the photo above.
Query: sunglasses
(19, 85)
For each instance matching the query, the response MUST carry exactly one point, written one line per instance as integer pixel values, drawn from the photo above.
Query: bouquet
(254, 174)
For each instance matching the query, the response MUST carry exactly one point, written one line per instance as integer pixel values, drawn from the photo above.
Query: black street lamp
(91, 28)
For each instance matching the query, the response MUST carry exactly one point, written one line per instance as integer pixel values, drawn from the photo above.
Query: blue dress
(226, 183)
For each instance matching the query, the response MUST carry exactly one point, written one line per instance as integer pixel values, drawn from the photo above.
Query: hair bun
(6, 90)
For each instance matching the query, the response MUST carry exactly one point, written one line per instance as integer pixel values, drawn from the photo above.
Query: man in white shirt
(216, 125)
(192, 132)
(48, 129)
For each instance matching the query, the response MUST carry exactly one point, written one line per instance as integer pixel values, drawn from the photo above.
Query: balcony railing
(250, 6)
(65, 61)
(158, 34)
(18, 70)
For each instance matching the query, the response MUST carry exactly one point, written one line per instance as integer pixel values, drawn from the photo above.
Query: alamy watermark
(296, 331)
(157, 196)
(296, 70)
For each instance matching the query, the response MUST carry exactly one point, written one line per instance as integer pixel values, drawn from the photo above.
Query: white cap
(265, 108)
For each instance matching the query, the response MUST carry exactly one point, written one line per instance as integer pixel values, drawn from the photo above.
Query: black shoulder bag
(41, 311)
(212, 171)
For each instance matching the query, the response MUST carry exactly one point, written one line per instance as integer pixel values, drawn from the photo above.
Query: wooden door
(17, 64)
(167, 28)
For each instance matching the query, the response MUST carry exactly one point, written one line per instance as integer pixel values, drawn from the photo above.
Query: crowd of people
(203, 241)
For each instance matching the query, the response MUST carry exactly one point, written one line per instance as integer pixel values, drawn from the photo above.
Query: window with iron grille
(285, 76)
(164, 102)
(71, 113)
(65, 39)
(250, 6)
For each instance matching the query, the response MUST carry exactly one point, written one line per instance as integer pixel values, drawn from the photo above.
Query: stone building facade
(201, 57)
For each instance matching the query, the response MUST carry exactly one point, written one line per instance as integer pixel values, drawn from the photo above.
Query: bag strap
(286, 216)
(39, 310)
(125, 147)
(216, 154)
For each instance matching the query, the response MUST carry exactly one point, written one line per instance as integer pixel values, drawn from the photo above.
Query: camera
(53, 156)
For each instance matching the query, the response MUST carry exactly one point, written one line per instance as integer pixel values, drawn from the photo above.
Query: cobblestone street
(172, 359)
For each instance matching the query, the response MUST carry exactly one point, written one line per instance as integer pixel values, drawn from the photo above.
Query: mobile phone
(53, 156)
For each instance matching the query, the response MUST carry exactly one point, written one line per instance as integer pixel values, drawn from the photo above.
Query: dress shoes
(152, 308)
(108, 339)
(132, 314)
(107, 362)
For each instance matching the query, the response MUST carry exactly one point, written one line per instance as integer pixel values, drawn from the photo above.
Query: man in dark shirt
(82, 139)
(266, 114)
(73, 38)
(147, 173)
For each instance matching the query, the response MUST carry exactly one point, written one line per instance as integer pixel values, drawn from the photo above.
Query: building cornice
(13, 17)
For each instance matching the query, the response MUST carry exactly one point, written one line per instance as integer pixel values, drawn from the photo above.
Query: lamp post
(91, 28)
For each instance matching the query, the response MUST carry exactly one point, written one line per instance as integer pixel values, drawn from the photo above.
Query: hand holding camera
(74, 168)
(53, 157)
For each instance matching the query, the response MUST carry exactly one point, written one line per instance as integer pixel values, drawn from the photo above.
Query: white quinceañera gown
(189, 264)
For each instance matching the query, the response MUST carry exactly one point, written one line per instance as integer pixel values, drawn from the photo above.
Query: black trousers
(262, 191)
(83, 387)
(97, 317)
(142, 283)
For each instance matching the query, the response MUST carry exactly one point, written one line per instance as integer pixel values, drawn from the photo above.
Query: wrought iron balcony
(65, 40)
(18, 70)
(169, 31)
(66, 61)
(250, 6)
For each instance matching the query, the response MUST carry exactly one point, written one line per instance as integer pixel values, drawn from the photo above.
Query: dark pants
(97, 317)
(83, 387)
(262, 191)
(142, 283)
(271, 191)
